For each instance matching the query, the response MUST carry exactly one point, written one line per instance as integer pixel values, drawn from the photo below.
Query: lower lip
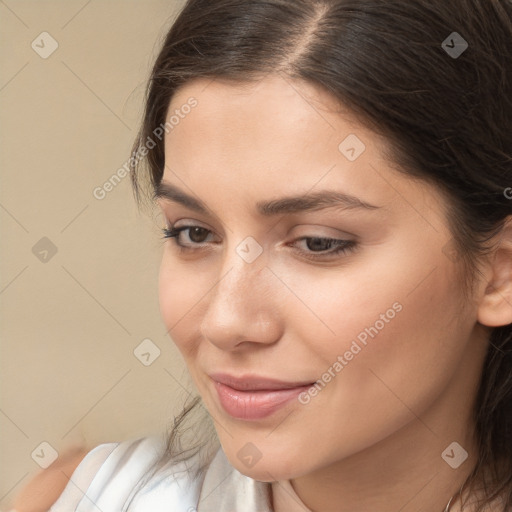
(254, 405)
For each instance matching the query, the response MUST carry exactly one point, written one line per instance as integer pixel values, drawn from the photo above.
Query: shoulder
(109, 474)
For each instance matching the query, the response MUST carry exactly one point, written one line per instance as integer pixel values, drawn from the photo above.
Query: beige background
(70, 323)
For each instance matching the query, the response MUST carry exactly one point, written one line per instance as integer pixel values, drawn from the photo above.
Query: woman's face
(258, 291)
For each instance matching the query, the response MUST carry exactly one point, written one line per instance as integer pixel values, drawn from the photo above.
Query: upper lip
(255, 382)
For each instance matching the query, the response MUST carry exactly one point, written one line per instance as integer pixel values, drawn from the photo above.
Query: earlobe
(495, 308)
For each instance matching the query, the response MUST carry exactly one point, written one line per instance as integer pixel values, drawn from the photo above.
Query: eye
(196, 234)
(320, 248)
(317, 247)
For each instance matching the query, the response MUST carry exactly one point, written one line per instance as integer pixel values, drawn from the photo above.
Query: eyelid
(300, 218)
(305, 230)
(185, 222)
(322, 231)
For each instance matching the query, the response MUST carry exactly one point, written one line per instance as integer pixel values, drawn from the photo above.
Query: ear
(495, 309)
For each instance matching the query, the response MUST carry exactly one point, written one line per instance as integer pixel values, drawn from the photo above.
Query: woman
(337, 267)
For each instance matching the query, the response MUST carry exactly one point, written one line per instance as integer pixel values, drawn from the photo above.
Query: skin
(45, 487)
(372, 439)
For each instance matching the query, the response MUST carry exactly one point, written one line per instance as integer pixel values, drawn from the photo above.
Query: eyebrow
(292, 204)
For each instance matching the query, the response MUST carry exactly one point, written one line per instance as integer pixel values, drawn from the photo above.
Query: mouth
(254, 397)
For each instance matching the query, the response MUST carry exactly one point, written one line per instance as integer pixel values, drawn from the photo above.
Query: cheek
(401, 365)
(334, 307)
(426, 343)
(180, 292)
(382, 331)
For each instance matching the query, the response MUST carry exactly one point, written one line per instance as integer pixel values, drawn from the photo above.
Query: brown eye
(319, 247)
(197, 234)
(319, 244)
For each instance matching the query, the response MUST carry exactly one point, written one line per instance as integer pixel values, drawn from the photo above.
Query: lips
(254, 397)
(256, 383)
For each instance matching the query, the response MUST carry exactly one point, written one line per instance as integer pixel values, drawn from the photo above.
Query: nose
(242, 307)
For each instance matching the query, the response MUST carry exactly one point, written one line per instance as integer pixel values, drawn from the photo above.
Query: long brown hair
(447, 116)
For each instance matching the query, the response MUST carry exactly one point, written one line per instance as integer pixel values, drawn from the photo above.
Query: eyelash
(344, 246)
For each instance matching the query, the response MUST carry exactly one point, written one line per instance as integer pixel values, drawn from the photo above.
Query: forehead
(276, 137)
(269, 105)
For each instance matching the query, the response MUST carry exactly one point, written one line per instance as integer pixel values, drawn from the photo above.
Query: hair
(447, 120)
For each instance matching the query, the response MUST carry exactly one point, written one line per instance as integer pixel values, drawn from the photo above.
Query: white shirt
(105, 479)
